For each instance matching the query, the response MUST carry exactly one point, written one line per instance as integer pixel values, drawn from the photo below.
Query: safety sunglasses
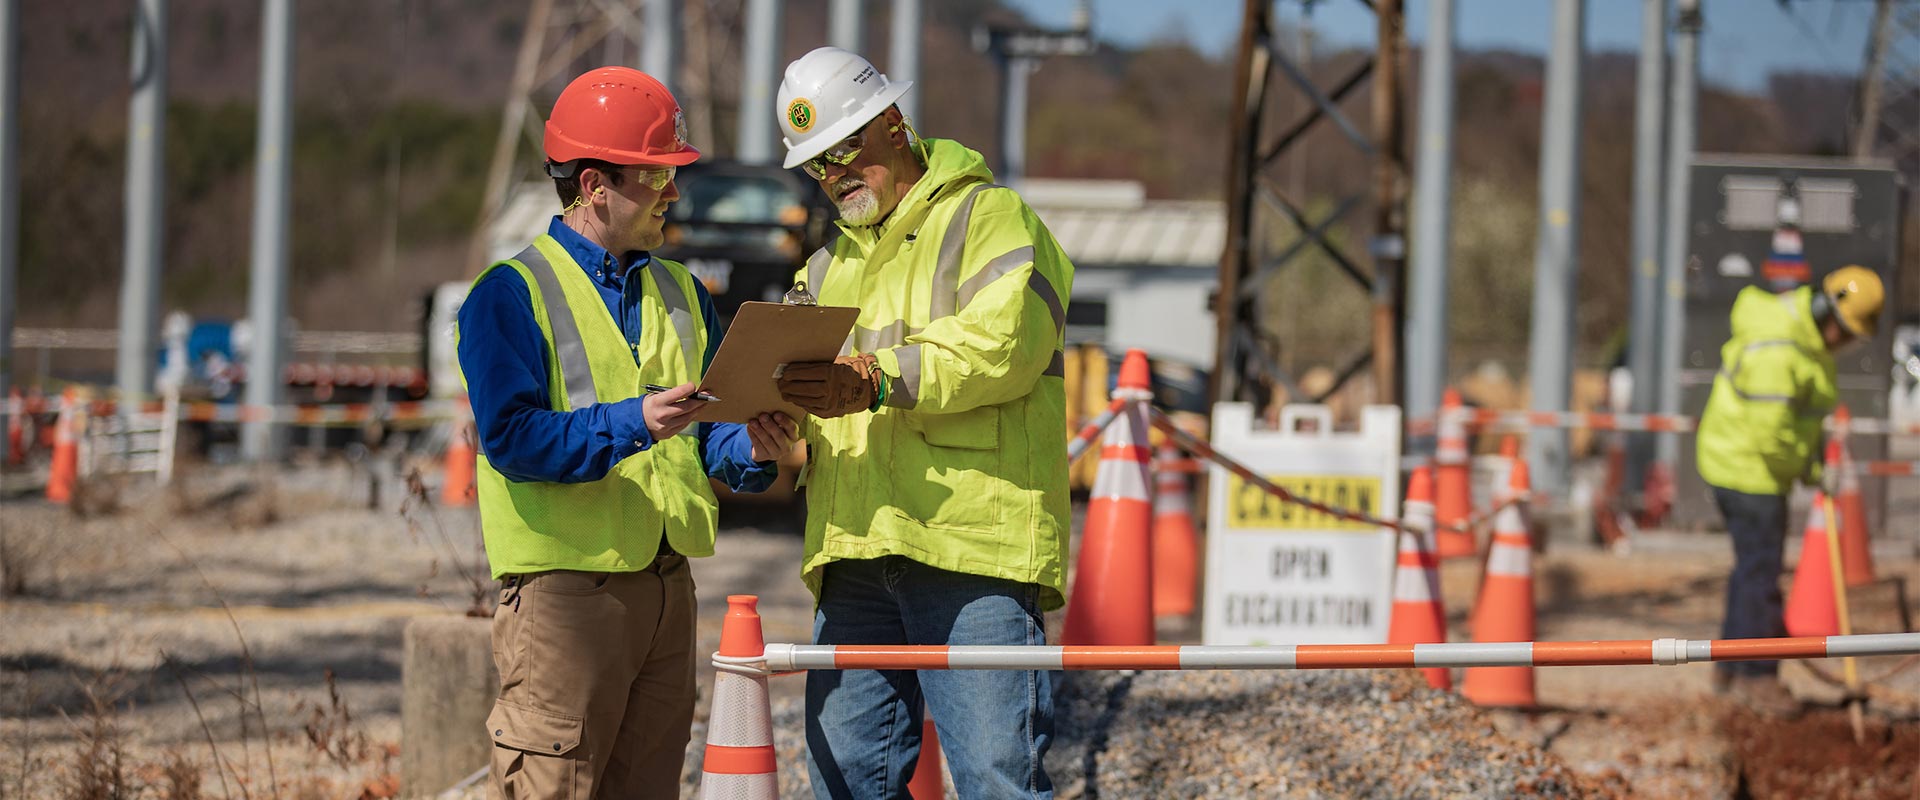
(838, 155)
(656, 178)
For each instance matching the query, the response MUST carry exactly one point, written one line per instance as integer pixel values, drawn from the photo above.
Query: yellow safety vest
(962, 296)
(613, 524)
(1761, 429)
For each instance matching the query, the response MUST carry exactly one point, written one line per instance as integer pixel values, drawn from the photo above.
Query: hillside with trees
(398, 104)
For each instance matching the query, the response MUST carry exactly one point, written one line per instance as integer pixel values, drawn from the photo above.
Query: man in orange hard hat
(1760, 433)
(592, 495)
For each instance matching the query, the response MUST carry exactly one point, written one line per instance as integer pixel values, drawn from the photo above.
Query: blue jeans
(1758, 526)
(863, 726)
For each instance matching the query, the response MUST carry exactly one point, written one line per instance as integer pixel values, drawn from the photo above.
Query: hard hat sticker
(800, 115)
(679, 130)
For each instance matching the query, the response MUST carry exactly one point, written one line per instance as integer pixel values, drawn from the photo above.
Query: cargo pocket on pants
(534, 752)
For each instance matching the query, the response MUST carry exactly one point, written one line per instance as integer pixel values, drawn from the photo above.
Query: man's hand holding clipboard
(763, 340)
(828, 389)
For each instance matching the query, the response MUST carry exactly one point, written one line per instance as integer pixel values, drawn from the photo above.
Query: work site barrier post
(1418, 617)
(1176, 548)
(739, 762)
(1112, 600)
(1453, 481)
(1504, 610)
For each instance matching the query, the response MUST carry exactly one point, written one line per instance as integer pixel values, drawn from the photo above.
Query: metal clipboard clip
(799, 296)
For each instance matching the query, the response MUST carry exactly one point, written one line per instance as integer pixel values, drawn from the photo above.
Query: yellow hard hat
(1857, 295)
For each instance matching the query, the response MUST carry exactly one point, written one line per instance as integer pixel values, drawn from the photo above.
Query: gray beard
(862, 209)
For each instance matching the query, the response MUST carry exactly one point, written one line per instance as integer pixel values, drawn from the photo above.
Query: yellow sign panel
(1251, 507)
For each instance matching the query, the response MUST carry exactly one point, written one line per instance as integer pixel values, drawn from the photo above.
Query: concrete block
(448, 684)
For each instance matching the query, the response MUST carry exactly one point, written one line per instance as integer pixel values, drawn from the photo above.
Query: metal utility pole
(1017, 51)
(145, 188)
(1014, 72)
(1673, 261)
(1556, 266)
(9, 197)
(1870, 81)
(848, 23)
(267, 286)
(903, 63)
(1643, 339)
(1426, 344)
(1389, 246)
(758, 80)
(660, 52)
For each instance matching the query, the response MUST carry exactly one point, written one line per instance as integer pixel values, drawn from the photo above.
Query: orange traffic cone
(1418, 617)
(1453, 479)
(1175, 548)
(460, 488)
(1504, 611)
(1810, 603)
(739, 761)
(66, 449)
(1856, 553)
(1112, 599)
(927, 783)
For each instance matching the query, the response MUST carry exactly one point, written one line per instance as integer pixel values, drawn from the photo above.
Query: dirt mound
(1815, 756)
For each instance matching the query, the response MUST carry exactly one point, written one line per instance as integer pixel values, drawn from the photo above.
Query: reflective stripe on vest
(568, 347)
(678, 310)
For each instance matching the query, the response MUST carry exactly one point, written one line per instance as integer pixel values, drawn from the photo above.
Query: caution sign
(1282, 573)
(1251, 507)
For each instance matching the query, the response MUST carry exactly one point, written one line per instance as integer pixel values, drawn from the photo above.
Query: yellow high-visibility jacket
(962, 295)
(614, 524)
(1762, 426)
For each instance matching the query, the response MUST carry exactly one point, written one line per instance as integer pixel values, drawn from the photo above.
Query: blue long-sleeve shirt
(504, 358)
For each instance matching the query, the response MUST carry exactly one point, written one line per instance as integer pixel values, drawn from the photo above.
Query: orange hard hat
(619, 115)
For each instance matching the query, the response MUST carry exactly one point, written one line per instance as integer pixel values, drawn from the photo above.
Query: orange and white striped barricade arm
(1083, 441)
(1625, 652)
(1889, 469)
(1489, 419)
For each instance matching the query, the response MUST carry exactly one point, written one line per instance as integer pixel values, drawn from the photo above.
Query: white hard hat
(825, 96)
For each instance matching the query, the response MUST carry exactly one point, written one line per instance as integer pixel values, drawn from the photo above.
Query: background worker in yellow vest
(592, 496)
(937, 509)
(1760, 432)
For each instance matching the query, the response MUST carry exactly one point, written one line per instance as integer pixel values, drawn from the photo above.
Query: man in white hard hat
(937, 494)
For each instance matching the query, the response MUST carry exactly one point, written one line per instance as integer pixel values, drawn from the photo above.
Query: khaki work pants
(596, 683)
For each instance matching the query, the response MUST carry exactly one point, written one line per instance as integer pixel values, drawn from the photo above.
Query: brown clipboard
(763, 339)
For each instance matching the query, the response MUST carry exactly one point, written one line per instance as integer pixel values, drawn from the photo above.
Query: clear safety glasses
(655, 178)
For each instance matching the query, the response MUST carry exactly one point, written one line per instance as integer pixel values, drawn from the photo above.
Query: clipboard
(763, 338)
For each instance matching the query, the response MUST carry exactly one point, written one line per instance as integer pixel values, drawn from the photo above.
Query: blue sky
(1744, 41)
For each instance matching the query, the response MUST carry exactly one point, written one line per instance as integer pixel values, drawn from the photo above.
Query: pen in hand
(654, 388)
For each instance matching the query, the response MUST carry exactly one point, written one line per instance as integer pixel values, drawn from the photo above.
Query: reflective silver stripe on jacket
(817, 267)
(1732, 372)
(681, 312)
(575, 372)
(946, 271)
(904, 391)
